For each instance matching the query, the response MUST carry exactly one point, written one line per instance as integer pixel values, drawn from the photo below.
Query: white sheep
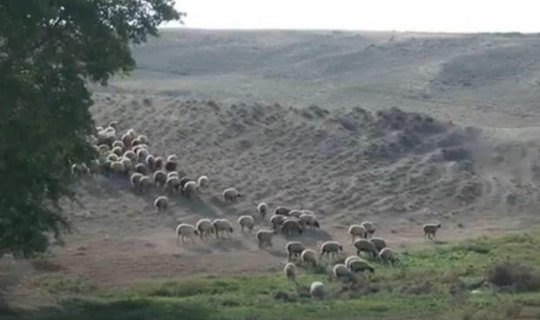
(364, 245)
(246, 222)
(369, 226)
(357, 230)
(284, 211)
(277, 221)
(128, 164)
(119, 144)
(296, 213)
(290, 271)
(349, 259)
(294, 248)
(142, 153)
(309, 256)
(131, 132)
(135, 179)
(172, 158)
(127, 140)
(130, 154)
(160, 178)
(205, 227)
(262, 209)
(223, 226)
(117, 167)
(309, 220)
(331, 248)
(158, 163)
(291, 226)
(143, 139)
(189, 189)
(231, 195)
(112, 157)
(430, 229)
(161, 204)
(317, 290)
(379, 243)
(172, 174)
(341, 272)
(360, 265)
(150, 162)
(388, 255)
(145, 183)
(172, 184)
(185, 231)
(264, 238)
(141, 168)
(202, 182)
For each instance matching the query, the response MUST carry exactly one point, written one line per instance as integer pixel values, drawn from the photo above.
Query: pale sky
(399, 15)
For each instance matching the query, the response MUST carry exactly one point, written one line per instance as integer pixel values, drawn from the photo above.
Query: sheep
(387, 255)
(145, 183)
(189, 189)
(135, 179)
(160, 178)
(262, 209)
(79, 169)
(222, 225)
(231, 195)
(295, 213)
(291, 226)
(294, 248)
(130, 155)
(158, 163)
(264, 237)
(103, 148)
(349, 259)
(184, 180)
(202, 182)
(143, 139)
(131, 133)
(161, 204)
(360, 265)
(141, 168)
(317, 290)
(113, 124)
(341, 272)
(112, 157)
(150, 162)
(277, 221)
(357, 230)
(379, 243)
(370, 228)
(142, 153)
(127, 140)
(364, 245)
(94, 165)
(284, 211)
(430, 230)
(172, 158)
(119, 144)
(138, 147)
(185, 230)
(128, 164)
(309, 256)
(117, 151)
(172, 174)
(290, 271)
(117, 167)
(172, 184)
(205, 227)
(331, 248)
(309, 220)
(170, 165)
(246, 222)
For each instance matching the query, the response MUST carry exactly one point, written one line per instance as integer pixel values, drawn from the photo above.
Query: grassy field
(442, 282)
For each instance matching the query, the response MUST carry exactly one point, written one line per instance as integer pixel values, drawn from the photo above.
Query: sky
(380, 15)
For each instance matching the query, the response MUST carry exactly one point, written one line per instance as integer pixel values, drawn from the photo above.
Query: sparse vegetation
(447, 280)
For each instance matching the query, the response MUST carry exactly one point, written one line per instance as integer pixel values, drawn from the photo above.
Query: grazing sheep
(172, 158)
(138, 147)
(135, 179)
(128, 164)
(172, 174)
(94, 165)
(364, 245)
(145, 183)
(360, 265)
(79, 169)
(117, 151)
(184, 180)
(379, 243)
(231, 195)
(172, 184)
(223, 226)
(387, 255)
(349, 259)
(131, 133)
(296, 213)
(317, 290)
(118, 144)
(189, 189)
(142, 153)
(357, 230)
(171, 165)
(130, 154)
(430, 230)
(341, 272)
(141, 168)
(103, 148)
(290, 271)
(309, 256)
(160, 178)
(143, 139)
(112, 157)
(295, 249)
(284, 211)
(291, 226)
(202, 182)
(262, 209)
(277, 221)
(185, 231)
(264, 237)
(331, 248)
(309, 220)
(205, 227)
(127, 140)
(369, 226)
(246, 222)
(161, 204)
(150, 162)
(117, 167)
(158, 163)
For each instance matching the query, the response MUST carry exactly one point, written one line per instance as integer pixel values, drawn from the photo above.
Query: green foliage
(49, 50)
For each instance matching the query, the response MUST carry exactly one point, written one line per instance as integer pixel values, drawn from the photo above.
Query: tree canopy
(49, 51)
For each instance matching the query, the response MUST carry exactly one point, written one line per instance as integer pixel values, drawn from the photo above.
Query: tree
(49, 51)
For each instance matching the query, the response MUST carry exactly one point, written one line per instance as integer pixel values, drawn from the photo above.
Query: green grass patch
(446, 280)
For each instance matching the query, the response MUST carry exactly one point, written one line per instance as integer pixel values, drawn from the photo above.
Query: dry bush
(514, 276)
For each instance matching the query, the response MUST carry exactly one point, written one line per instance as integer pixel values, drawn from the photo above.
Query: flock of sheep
(128, 156)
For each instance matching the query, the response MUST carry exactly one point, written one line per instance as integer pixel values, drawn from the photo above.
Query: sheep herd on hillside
(128, 156)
